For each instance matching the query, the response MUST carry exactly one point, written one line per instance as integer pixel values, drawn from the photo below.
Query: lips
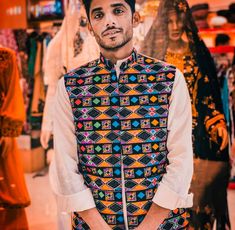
(111, 32)
(175, 34)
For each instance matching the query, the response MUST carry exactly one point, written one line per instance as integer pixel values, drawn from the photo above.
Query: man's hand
(44, 138)
(154, 218)
(6, 146)
(93, 218)
(223, 133)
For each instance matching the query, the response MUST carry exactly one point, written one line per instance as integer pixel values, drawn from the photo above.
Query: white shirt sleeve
(66, 182)
(173, 190)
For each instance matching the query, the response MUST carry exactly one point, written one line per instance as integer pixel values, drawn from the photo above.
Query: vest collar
(125, 64)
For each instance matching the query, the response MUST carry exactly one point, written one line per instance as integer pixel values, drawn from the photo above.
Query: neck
(119, 54)
(178, 46)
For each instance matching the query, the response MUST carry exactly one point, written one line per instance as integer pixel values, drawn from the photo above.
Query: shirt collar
(125, 63)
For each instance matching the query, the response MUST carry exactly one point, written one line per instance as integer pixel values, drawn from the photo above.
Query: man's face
(175, 26)
(112, 23)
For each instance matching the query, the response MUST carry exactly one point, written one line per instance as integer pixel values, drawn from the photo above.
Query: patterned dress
(206, 116)
(211, 167)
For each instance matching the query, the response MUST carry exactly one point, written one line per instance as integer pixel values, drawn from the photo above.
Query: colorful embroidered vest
(121, 129)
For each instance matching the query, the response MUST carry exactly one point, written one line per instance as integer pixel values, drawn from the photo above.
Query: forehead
(107, 3)
(172, 13)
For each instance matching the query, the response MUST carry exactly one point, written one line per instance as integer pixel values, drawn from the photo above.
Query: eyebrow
(113, 5)
(117, 5)
(96, 9)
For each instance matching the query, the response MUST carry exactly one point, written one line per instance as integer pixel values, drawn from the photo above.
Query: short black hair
(222, 39)
(87, 4)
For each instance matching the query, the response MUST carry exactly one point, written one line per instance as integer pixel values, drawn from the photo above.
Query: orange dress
(13, 192)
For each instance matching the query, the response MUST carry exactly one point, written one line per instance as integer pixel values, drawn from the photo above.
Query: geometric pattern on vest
(121, 130)
(178, 219)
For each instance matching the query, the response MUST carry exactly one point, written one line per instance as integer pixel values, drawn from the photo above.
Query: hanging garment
(223, 62)
(69, 49)
(7, 39)
(38, 91)
(230, 75)
(14, 195)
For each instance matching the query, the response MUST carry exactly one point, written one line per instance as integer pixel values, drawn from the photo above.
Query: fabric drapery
(13, 192)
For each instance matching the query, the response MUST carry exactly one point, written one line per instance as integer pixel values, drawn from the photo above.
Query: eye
(98, 15)
(118, 11)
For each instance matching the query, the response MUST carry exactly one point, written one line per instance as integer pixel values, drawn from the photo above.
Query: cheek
(169, 28)
(96, 27)
(181, 27)
(125, 21)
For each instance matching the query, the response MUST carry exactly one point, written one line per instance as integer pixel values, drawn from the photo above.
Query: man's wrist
(156, 215)
(93, 218)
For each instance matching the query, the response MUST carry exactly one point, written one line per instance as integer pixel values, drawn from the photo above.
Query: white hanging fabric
(60, 56)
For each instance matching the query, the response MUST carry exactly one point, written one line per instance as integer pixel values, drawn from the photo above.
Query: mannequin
(174, 38)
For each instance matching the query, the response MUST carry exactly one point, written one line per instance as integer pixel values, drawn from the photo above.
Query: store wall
(13, 14)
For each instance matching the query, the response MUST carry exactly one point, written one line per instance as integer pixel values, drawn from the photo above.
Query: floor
(42, 212)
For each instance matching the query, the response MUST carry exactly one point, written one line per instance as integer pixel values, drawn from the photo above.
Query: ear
(90, 29)
(136, 19)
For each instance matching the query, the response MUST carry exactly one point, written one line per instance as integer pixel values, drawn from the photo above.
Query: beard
(127, 37)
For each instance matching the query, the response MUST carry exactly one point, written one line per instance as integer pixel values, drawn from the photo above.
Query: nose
(110, 20)
(175, 26)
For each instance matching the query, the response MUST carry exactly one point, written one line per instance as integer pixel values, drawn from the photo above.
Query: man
(122, 133)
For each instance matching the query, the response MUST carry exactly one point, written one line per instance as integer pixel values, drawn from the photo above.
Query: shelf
(222, 49)
(217, 30)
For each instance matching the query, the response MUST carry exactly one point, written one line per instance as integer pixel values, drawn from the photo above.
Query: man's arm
(72, 193)
(173, 190)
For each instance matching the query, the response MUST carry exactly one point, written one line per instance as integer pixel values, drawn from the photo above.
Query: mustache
(111, 28)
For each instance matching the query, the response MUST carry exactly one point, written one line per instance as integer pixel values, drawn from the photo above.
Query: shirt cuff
(78, 202)
(169, 199)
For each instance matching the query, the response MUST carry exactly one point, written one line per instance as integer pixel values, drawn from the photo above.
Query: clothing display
(38, 99)
(37, 44)
(231, 89)
(66, 51)
(14, 195)
(223, 62)
(105, 121)
(192, 57)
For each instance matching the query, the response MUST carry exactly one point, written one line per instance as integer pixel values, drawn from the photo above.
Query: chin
(175, 39)
(113, 45)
